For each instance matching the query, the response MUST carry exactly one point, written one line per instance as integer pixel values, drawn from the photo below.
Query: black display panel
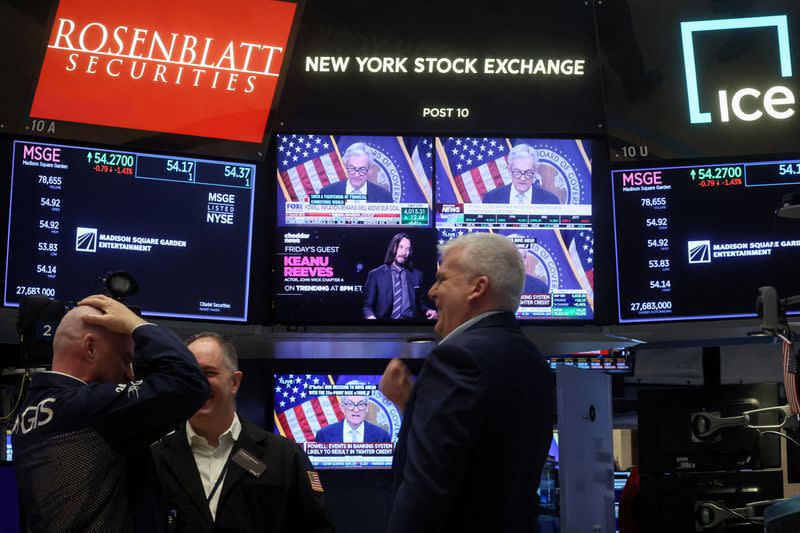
(697, 241)
(445, 67)
(182, 227)
(340, 420)
(343, 275)
(353, 213)
(536, 192)
(700, 78)
(611, 361)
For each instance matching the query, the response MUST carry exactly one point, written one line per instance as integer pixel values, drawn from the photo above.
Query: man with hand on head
(83, 432)
(219, 472)
(478, 422)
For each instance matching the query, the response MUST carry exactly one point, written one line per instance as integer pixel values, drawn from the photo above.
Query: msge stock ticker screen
(697, 241)
(181, 226)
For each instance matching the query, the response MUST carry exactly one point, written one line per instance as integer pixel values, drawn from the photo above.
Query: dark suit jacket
(333, 433)
(281, 500)
(375, 193)
(534, 285)
(501, 195)
(379, 292)
(475, 435)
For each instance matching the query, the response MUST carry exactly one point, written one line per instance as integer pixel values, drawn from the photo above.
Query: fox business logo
(746, 104)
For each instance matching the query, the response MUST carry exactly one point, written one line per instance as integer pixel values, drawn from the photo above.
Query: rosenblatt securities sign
(199, 67)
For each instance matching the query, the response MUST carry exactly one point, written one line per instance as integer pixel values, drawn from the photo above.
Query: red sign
(199, 67)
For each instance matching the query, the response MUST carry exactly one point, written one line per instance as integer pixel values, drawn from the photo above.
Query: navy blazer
(334, 433)
(375, 193)
(379, 293)
(475, 434)
(501, 195)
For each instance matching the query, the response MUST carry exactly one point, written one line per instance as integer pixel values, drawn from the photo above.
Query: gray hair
(523, 150)
(227, 347)
(496, 257)
(357, 149)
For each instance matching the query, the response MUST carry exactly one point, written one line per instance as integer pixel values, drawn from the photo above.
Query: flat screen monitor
(353, 214)
(181, 226)
(612, 361)
(538, 194)
(341, 420)
(697, 240)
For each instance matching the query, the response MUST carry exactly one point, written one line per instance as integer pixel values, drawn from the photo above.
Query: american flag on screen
(307, 163)
(475, 165)
(299, 415)
(581, 252)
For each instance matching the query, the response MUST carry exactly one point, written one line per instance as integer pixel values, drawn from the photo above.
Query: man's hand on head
(116, 316)
(396, 383)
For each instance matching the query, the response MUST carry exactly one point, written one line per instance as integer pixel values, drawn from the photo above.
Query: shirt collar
(63, 374)
(349, 189)
(231, 433)
(466, 325)
(528, 194)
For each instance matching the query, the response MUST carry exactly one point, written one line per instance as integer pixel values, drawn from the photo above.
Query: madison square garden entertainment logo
(186, 67)
(86, 240)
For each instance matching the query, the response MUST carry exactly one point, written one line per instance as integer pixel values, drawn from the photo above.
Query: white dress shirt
(527, 196)
(348, 189)
(347, 433)
(210, 461)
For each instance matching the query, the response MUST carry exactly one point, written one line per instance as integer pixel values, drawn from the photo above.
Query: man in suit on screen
(523, 189)
(393, 291)
(354, 427)
(478, 422)
(358, 160)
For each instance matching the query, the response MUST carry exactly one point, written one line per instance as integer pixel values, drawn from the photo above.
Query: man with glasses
(357, 163)
(523, 189)
(354, 427)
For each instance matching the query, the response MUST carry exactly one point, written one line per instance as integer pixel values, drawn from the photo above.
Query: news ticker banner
(697, 241)
(188, 68)
(321, 272)
(398, 178)
(304, 404)
(78, 213)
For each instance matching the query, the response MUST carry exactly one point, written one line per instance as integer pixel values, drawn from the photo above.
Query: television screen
(697, 241)
(342, 421)
(354, 219)
(181, 226)
(327, 180)
(537, 193)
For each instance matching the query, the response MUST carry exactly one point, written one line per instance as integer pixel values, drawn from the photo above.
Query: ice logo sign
(746, 104)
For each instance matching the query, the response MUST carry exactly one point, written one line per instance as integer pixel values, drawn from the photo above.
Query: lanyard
(220, 478)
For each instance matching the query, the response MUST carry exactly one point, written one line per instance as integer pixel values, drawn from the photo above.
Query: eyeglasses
(361, 171)
(350, 406)
(528, 174)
